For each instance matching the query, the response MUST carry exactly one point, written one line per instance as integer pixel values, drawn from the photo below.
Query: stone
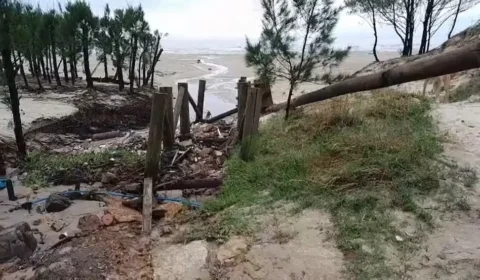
(218, 153)
(108, 178)
(37, 222)
(89, 223)
(57, 203)
(186, 262)
(205, 152)
(232, 251)
(171, 209)
(17, 241)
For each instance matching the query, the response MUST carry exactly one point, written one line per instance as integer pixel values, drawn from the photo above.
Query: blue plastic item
(3, 184)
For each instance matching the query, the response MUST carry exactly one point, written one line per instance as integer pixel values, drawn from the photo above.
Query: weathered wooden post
(267, 99)
(251, 123)
(178, 106)
(201, 98)
(184, 113)
(168, 131)
(157, 120)
(242, 88)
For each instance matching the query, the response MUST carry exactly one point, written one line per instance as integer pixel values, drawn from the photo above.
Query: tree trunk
(30, 65)
(22, 69)
(54, 58)
(65, 68)
(121, 84)
(105, 65)
(156, 56)
(375, 33)
(72, 69)
(37, 75)
(144, 73)
(289, 101)
(42, 64)
(426, 25)
(86, 60)
(132, 65)
(48, 62)
(436, 65)
(10, 76)
(455, 19)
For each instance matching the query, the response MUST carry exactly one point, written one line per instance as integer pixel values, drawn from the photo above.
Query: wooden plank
(258, 92)
(168, 131)
(222, 116)
(242, 88)
(147, 205)
(194, 106)
(184, 114)
(202, 84)
(178, 106)
(155, 134)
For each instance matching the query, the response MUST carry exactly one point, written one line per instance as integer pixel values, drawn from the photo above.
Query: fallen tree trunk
(436, 65)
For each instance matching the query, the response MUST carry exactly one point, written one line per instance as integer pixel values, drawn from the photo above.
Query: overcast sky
(233, 19)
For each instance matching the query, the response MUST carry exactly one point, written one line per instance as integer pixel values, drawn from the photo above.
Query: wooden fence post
(251, 123)
(184, 114)
(155, 133)
(168, 131)
(242, 88)
(178, 106)
(201, 98)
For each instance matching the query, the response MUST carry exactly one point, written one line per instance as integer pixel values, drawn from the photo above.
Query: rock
(89, 223)
(57, 226)
(171, 209)
(37, 222)
(17, 241)
(398, 238)
(186, 262)
(232, 251)
(218, 153)
(205, 152)
(108, 178)
(56, 203)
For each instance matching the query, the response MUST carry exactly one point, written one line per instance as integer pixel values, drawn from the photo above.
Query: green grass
(357, 159)
(44, 169)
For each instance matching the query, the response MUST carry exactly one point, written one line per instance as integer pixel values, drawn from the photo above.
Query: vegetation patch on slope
(360, 159)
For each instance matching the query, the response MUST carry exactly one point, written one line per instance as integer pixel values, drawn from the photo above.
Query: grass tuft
(44, 169)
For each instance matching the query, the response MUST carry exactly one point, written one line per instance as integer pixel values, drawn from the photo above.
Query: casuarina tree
(296, 40)
(6, 14)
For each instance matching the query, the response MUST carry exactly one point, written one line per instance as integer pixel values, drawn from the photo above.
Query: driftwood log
(448, 62)
(17, 241)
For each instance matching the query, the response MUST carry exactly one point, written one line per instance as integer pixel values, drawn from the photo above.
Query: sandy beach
(221, 72)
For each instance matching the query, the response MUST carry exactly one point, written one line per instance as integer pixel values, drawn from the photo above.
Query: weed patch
(44, 169)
